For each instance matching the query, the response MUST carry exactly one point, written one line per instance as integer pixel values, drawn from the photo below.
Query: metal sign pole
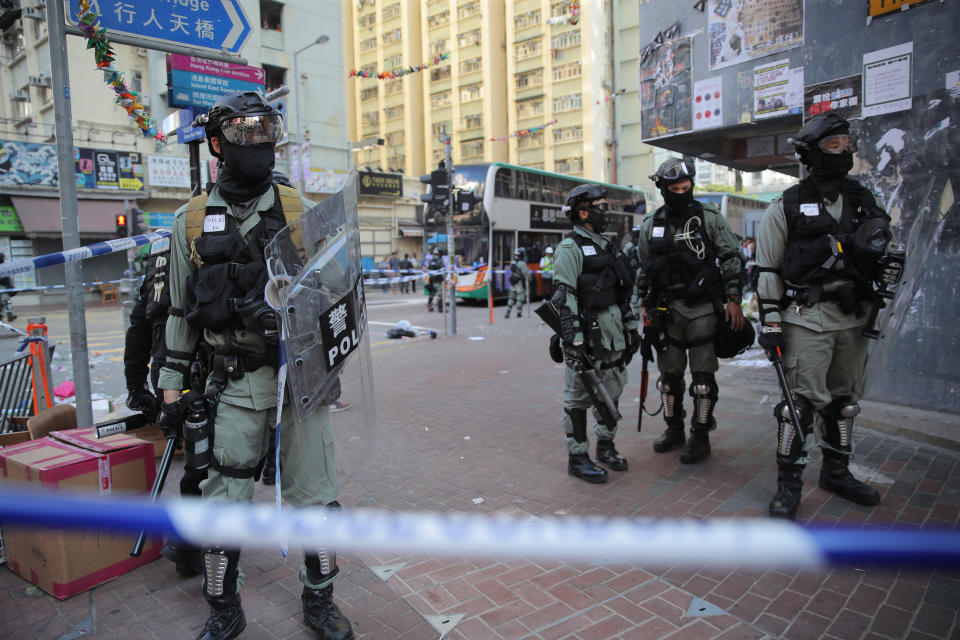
(451, 245)
(68, 210)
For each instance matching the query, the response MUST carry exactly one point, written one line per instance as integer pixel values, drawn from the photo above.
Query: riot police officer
(690, 265)
(592, 297)
(435, 279)
(519, 273)
(217, 278)
(818, 249)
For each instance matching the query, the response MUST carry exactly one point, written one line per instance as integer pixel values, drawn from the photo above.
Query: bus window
(502, 183)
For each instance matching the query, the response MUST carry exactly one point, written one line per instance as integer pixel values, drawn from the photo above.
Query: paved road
(478, 416)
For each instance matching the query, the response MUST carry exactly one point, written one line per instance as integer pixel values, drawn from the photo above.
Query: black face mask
(245, 171)
(828, 170)
(598, 219)
(677, 202)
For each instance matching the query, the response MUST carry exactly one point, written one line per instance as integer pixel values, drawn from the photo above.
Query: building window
(271, 15)
(438, 19)
(468, 38)
(370, 68)
(397, 162)
(471, 92)
(367, 20)
(567, 103)
(438, 46)
(468, 9)
(439, 73)
(397, 137)
(471, 149)
(393, 113)
(13, 43)
(438, 128)
(567, 71)
(368, 43)
(472, 121)
(273, 77)
(393, 87)
(529, 79)
(558, 9)
(440, 100)
(371, 118)
(569, 165)
(392, 36)
(391, 11)
(471, 64)
(566, 39)
(438, 155)
(370, 93)
(392, 62)
(529, 108)
(568, 134)
(526, 19)
(528, 49)
(531, 140)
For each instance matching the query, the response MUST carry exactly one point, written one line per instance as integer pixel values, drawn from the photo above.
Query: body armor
(605, 278)
(674, 266)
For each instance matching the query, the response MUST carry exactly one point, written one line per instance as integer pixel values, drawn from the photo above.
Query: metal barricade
(16, 391)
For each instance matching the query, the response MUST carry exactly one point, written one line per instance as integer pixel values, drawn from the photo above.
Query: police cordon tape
(48, 287)
(692, 543)
(29, 265)
(420, 274)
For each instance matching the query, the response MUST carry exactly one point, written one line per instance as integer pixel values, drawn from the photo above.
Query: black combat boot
(608, 455)
(520, 312)
(580, 465)
(789, 487)
(835, 477)
(270, 463)
(697, 447)
(323, 616)
(226, 619)
(11, 316)
(187, 558)
(673, 437)
(507, 314)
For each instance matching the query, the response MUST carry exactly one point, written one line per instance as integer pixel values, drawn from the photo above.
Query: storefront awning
(41, 216)
(411, 232)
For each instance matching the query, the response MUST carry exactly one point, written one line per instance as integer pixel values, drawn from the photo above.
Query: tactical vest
(231, 271)
(436, 264)
(155, 289)
(674, 267)
(821, 249)
(605, 279)
(516, 273)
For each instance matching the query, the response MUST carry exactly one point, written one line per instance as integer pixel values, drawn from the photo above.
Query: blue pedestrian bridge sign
(217, 25)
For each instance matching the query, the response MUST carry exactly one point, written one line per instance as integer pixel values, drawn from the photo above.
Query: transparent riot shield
(317, 289)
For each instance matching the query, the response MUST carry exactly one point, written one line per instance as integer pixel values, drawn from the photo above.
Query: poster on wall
(325, 180)
(771, 89)
(882, 7)
(105, 166)
(130, 170)
(887, 78)
(707, 103)
(83, 168)
(28, 163)
(168, 171)
(666, 84)
(840, 96)
(742, 30)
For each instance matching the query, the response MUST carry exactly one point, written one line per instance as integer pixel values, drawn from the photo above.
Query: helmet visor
(602, 207)
(839, 143)
(247, 130)
(676, 170)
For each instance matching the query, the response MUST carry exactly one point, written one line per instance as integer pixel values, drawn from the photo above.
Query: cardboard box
(65, 563)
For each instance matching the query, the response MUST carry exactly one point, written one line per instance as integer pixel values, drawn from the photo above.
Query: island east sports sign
(883, 7)
(381, 184)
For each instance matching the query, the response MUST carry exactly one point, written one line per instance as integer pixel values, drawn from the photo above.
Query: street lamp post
(322, 39)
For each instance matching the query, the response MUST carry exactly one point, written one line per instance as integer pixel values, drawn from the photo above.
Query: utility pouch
(705, 284)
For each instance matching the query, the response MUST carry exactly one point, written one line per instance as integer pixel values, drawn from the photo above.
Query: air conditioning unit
(37, 13)
(41, 80)
(19, 95)
(141, 52)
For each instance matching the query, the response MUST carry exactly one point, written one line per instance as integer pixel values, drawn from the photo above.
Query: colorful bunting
(399, 72)
(574, 12)
(524, 132)
(96, 36)
(612, 96)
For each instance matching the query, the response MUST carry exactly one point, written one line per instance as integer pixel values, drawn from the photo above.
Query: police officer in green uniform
(817, 252)
(217, 278)
(519, 273)
(592, 297)
(690, 266)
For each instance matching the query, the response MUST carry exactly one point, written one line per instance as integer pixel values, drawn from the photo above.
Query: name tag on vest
(810, 209)
(589, 250)
(657, 232)
(215, 222)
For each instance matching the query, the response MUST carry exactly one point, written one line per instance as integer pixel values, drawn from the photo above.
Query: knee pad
(704, 385)
(838, 421)
(788, 436)
(671, 390)
(322, 563)
(220, 572)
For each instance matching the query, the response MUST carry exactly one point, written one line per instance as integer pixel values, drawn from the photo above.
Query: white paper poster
(887, 80)
(708, 103)
(168, 171)
(953, 81)
(795, 91)
(771, 84)
(325, 180)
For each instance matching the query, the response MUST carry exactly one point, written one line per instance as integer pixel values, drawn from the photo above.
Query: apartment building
(513, 65)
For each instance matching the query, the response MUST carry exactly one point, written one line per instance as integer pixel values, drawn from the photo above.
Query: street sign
(206, 24)
(190, 134)
(157, 220)
(198, 83)
(179, 122)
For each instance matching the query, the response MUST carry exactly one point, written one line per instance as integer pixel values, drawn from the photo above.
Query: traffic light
(121, 225)
(465, 201)
(135, 218)
(438, 200)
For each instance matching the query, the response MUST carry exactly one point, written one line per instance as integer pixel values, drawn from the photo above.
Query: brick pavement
(464, 419)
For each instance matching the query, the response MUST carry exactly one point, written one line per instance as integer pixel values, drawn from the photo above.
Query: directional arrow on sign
(205, 24)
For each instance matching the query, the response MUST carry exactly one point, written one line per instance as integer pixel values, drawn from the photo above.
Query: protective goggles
(837, 144)
(602, 207)
(677, 170)
(247, 130)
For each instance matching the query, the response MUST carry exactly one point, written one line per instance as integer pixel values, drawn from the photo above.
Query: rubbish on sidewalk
(404, 329)
(64, 390)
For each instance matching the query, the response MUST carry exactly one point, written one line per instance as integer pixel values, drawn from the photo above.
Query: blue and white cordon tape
(29, 265)
(693, 543)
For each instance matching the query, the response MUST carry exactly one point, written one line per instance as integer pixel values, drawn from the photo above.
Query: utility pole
(451, 245)
(63, 115)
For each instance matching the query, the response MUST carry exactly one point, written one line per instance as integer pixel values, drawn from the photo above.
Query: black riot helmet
(728, 343)
(519, 253)
(673, 170)
(242, 118)
(582, 197)
(825, 145)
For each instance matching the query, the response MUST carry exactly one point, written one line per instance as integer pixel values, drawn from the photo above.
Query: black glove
(171, 420)
(140, 399)
(576, 357)
(633, 341)
(771, 339)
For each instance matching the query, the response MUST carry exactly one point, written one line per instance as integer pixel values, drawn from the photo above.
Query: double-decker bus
(743, 213)
(521, 207)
